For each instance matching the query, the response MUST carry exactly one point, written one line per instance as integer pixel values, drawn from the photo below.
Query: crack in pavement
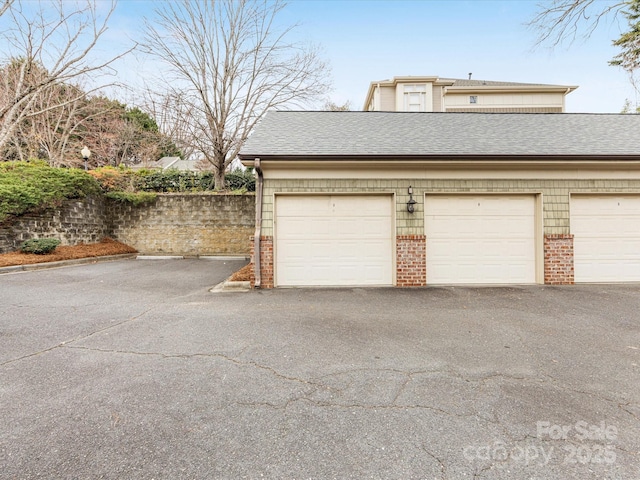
(443, 467)
(222, 356)
(382, 406)
(621, 407)
(75, 339)
(401, 389)
(318, 383)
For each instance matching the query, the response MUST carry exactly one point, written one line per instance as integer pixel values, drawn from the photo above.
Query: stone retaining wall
(174, 224)
(73, 222)
(178, 224)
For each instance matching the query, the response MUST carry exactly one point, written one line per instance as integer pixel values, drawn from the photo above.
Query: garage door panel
(295, 248)
(606, 232)
(314, 206)
(604, 225)
(480, 239)
(470, 205)
(368, 227)
(359, 206)
(339, 240)
(301, 228)
(593, 205)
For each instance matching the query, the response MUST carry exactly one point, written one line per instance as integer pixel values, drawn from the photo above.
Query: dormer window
(415, 98)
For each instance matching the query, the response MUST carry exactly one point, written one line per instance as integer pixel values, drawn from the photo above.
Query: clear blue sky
(366, 40)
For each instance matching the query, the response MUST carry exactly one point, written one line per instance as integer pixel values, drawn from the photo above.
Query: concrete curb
(65, 263)
(229, 286)
(225, 258)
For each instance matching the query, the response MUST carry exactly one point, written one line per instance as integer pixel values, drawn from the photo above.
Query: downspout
(443, 108)
(258, 232)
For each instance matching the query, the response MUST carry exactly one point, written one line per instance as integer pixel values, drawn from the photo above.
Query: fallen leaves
(106, 247)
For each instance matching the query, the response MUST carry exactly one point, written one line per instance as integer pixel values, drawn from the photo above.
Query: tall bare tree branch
(54, 36)
(560, 21)
(4, 6)
(231, 62)
(172, 116)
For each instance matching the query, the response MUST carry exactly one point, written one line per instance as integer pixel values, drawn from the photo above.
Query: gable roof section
(464, 82)
(287, 134)
(459, 85)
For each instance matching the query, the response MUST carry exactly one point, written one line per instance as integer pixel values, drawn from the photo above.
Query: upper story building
(435, 94)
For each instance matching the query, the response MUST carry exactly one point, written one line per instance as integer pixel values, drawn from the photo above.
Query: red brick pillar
(266, 262)
(411, 260)
(558, 259)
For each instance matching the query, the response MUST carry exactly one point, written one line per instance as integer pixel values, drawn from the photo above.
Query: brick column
(266, 262)
(411, 261)
(558, 259)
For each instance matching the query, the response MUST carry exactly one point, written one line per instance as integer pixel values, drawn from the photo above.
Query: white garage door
(480, 239)
(606, 240)
(333, 240)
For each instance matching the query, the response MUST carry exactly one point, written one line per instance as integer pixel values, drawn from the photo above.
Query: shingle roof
(396, 134)
(457, 82)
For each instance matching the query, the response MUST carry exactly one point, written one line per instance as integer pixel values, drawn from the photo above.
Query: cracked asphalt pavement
(133, 369)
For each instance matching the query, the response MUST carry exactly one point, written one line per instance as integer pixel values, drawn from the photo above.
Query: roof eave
(512, 88)
(247, 159)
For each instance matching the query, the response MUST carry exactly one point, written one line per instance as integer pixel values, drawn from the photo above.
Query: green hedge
(27, 186)
(134, 198)
(169, 181)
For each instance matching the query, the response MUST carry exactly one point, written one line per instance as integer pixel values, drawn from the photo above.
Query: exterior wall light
(411, 203)
(86, 153)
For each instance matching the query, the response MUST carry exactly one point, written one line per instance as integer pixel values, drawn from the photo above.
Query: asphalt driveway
(133, 369)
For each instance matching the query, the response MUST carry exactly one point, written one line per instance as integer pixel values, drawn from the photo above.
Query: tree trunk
(218, 174)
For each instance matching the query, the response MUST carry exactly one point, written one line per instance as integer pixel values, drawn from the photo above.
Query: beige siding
(555, 195)
(504, 100)
(506, 109)
(437, 99)
(387, 99)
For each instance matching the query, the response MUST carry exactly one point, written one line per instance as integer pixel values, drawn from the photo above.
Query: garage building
(412, 199)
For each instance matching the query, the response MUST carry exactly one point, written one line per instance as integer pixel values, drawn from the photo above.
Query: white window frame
(410, 93)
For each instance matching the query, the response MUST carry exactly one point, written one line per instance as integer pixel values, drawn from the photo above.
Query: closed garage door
(333, 240)
(480, 239)
(606, 238)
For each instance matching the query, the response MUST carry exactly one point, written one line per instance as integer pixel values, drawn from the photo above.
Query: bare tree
(169, 109)
(51, 134)
(56, 37)
(331, 106)
(4, 6)
(232, 63)
(560, 21)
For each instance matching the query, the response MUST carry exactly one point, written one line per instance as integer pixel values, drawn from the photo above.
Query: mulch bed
(106, 247)
(242, 275)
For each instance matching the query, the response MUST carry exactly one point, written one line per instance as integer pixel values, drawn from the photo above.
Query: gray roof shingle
(389, 134)
(462, 82)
